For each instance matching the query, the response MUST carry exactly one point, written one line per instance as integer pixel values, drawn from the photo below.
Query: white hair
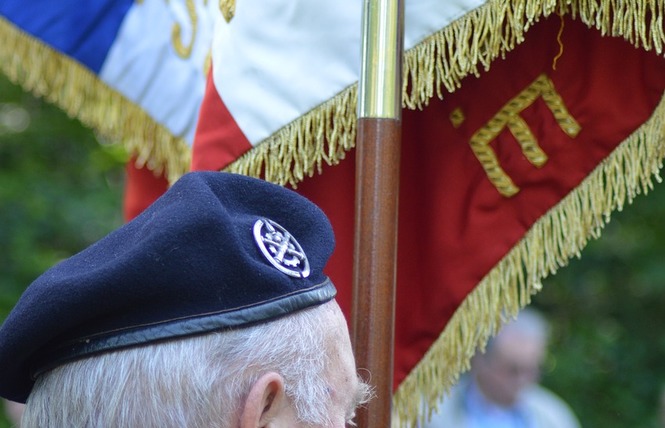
(199, 381)
(528, 323)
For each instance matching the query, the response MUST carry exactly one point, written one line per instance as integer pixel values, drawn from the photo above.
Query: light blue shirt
(466, 407)
(482, 413)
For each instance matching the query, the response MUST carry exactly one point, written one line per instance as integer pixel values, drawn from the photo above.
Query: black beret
(216, 251)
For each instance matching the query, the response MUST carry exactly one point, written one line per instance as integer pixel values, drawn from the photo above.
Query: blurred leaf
(60, 190)
(607, 314)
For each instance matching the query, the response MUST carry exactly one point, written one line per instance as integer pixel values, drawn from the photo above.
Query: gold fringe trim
(639, 22)
(324, 134)
(72, 87)
(554, 239)
(490, 31)
(463, 48)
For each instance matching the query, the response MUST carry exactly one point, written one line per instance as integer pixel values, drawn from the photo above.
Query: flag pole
(377, 190)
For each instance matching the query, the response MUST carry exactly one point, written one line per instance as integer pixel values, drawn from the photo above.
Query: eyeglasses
(514, 369)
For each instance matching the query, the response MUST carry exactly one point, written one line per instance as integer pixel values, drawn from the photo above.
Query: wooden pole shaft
(377, 189)
(375, 249)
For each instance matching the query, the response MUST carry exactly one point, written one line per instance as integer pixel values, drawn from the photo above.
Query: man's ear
(265, 402)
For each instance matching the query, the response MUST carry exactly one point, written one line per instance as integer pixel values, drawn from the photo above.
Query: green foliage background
(607, 310)
(61, 190)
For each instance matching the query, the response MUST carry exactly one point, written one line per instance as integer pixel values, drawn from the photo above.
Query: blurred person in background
(501, 390)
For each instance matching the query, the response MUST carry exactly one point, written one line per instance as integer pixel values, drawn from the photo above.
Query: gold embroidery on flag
(228, 8)
(185, 51)
(207, 63)
(457, 117)
(508, 117)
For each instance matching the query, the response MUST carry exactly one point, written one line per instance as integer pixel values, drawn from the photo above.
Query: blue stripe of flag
(81, 29)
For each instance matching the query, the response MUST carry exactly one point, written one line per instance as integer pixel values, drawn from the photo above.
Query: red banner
(456, 224)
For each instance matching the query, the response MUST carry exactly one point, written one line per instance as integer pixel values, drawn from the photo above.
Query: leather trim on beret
(177, 328)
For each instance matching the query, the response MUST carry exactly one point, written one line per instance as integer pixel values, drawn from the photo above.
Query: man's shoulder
(551, 409)
(449, 410)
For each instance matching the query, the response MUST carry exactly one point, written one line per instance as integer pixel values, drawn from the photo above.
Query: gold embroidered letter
(509, 117)
(184, 51)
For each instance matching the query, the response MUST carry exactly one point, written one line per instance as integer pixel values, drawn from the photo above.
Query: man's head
(297, 370)
(211, 304)
(512, 359)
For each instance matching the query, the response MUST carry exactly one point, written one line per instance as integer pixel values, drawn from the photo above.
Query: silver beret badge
(280, 248)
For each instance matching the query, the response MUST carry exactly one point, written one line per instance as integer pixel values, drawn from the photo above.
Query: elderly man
(501, 389)
(210, 309)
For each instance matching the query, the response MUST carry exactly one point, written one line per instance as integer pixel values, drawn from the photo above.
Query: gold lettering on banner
(457, 117)
(185, 50)
(508, 117)
(181, 49)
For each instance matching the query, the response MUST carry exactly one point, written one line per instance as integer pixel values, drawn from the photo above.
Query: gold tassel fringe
(69, 85)
(324, 134)
(554, 239)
